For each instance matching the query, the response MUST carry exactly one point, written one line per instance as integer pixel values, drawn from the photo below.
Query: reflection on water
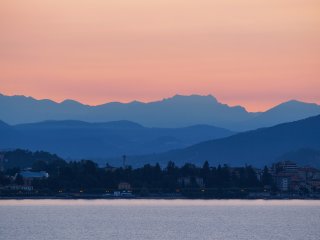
(151, 202)
(159, 219)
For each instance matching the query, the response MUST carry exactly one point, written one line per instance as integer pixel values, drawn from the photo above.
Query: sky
(244, 52)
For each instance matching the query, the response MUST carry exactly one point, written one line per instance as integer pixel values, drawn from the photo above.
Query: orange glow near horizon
(244, 52)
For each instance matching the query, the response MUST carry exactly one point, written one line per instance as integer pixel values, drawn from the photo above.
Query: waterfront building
(124, 186)
(29, 176)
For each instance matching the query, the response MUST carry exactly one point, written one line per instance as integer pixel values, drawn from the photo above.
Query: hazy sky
(251, 52)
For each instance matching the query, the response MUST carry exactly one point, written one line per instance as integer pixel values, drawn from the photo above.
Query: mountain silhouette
(175, 112)
(78, 139)
(258, 147)
(285, 112)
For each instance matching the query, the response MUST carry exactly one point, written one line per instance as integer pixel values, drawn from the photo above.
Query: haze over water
(159, 219)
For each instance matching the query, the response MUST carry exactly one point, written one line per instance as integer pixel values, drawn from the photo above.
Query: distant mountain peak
(293, 103)
(70, 102)
(135, 102)
(23, 98)
(192, 97)
(176, 111)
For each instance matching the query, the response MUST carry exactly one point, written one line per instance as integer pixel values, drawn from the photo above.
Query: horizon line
(153, 101)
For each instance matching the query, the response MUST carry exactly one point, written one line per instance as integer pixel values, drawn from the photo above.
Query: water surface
(159, 219)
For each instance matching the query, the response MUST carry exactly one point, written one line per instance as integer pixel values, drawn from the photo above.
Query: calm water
(159, 219)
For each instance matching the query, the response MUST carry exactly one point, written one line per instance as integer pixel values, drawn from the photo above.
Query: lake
(159, 219)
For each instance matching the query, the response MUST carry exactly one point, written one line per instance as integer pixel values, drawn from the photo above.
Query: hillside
(258, 147)
(77, 139)
(285, 112)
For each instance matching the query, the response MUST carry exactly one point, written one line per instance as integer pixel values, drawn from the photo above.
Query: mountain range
(175, 112)
(257, 147)
(77, 139)
(182, 129)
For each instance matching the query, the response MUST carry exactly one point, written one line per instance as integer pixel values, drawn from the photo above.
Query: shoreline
(153, 198)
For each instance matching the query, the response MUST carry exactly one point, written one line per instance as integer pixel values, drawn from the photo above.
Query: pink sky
(247, 52)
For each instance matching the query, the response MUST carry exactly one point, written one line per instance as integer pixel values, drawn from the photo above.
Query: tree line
(86, 176)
